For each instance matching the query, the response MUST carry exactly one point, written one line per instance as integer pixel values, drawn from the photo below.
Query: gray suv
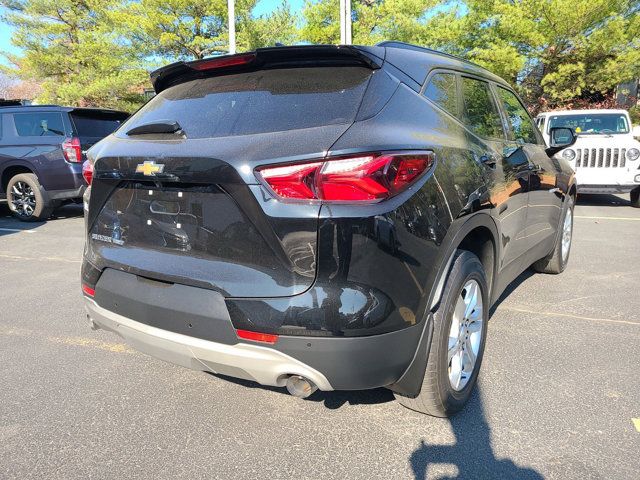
(41, 153)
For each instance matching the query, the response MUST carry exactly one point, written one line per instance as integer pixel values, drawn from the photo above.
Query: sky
(262, 7)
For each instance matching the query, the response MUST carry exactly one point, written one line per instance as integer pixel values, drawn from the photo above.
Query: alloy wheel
(23, 199)
(465, 335)
(567, 230)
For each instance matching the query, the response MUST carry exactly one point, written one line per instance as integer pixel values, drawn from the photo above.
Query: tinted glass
(442, 91)
(592, 123)
(480, 111)
(39, 124)
(521, 124)
(95, 126)
(258, 102)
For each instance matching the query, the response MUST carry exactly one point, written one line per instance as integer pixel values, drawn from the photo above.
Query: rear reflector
(87, 171)
(257, 336)
(72, 150)
(223, 62)
(365, 178)
(87, 290)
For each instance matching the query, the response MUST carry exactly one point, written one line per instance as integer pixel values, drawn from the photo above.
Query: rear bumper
(251, 362)
(607, 188)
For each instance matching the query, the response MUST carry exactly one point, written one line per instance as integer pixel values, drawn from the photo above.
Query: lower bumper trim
(252, 362)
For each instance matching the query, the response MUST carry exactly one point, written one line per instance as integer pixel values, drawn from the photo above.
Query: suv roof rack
(410, 46)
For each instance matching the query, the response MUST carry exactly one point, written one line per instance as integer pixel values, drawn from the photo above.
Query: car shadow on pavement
(10, 225)
(520, 279)
(332, 400)
(472, 454)
(603, 200)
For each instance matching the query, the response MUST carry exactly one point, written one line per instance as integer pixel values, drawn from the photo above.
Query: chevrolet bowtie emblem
(149, 168)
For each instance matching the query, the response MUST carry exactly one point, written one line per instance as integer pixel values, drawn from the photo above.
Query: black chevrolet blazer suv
(332, 217)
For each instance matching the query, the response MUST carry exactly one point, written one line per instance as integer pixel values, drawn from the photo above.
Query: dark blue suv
(42, 151)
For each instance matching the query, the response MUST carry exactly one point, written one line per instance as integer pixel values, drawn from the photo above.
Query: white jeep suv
(605, 157)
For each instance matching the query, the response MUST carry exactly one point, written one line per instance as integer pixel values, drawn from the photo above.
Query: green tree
(373, 20)
(195, 29)
(69, 46)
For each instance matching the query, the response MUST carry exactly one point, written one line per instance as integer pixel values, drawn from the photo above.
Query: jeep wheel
(635, 198)
(25, 199)
(457, 346)
(557, 261)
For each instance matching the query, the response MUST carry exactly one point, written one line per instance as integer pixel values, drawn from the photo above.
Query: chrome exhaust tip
(300, 387)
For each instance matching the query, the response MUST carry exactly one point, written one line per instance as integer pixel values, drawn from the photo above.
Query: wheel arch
(478, 234)
(11, 170)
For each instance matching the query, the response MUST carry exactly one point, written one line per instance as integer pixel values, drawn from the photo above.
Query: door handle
(535, 168)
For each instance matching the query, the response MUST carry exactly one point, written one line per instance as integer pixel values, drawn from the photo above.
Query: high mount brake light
(365, 178)
(223, 62)
(87, 171)
(72, 150)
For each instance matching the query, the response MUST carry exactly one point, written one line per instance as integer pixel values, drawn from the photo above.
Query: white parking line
(16, 230)
(636, 219)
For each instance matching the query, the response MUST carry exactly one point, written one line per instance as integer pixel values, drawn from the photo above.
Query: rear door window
(481, 113)
(443, 92)
(521, 125)
(39, 124)
(259, 102)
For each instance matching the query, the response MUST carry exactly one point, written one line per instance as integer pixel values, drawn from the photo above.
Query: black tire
(635, 198)
(24, 188)
(556, 263)
(437, 396)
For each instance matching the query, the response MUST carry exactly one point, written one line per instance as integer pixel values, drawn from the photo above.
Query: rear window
(39, 124)
(96, 126)
(259, 102)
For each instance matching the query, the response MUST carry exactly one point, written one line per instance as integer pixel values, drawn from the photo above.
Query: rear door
(506, 167)
(32, 137)
(186, 207)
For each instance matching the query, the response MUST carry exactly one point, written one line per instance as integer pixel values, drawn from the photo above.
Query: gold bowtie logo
(149, 168)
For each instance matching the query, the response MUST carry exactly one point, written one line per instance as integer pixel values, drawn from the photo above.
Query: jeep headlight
(568, 154)
(633, 154)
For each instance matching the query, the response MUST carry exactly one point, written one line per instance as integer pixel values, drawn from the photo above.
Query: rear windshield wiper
(159, 126)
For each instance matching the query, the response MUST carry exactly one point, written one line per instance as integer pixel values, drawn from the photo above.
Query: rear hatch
(186, 207)
(92, 125)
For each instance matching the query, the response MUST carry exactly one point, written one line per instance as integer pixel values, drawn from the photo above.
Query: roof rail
(417, 48)
(22, 105)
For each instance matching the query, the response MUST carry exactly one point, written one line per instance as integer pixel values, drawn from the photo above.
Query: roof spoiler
(266, 58)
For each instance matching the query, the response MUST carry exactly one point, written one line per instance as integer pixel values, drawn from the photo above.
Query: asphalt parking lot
(557, 396)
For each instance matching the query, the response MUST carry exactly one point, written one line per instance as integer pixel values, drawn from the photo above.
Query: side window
(521, 124)
(442, 91)
(39, 124)
(480, 111)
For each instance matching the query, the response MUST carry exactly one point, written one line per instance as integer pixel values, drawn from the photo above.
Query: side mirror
(560, 138)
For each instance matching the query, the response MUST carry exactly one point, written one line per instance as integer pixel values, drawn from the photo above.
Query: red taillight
(87, 171)
(88, 291)
(72, 150)
(257, 336)
(365, 178)
(223, 62)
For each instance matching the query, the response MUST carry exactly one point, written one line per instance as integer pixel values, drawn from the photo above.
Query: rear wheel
(25, 198)
(457, 346)
(557, 261)
(635, 198)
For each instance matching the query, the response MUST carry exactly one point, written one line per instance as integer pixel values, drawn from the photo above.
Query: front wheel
(457, 345)
(25, 198)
